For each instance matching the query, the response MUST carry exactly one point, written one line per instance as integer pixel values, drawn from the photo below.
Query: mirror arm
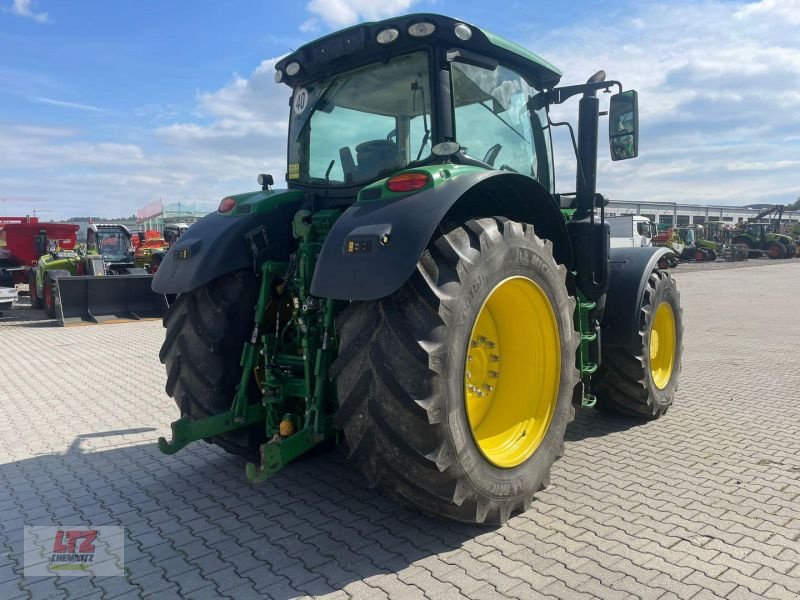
(561, 94)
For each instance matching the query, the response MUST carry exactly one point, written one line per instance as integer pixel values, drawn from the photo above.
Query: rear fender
(630, 269)
(374, 246)
(218, 244)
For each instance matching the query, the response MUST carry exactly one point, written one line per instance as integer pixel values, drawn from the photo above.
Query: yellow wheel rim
(662, 345)
(512, 372)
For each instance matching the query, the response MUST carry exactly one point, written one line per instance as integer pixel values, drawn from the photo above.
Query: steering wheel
(491, 154)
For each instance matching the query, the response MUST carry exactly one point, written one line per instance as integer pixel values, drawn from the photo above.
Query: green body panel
(438, 174)
(48, 262)
(261, 201)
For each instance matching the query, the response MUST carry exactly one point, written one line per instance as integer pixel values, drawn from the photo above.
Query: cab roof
(357, 45)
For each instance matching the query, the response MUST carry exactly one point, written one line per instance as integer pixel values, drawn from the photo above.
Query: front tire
(642, 381)
(36, 301)
(206, 331)
(409, 403)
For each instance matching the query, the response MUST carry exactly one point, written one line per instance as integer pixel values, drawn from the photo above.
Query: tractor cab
(757, 230)
(380, 98)
(113, 243)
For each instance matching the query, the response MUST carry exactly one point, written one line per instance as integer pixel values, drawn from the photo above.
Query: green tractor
(420, 289)
(101, 284)
(763, 237)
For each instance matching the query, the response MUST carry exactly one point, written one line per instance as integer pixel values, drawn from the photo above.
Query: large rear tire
(206, 330)
(776, 250)
(642, 381)
(437, 411)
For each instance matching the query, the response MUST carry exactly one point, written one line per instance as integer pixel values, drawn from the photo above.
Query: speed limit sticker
(300, 100)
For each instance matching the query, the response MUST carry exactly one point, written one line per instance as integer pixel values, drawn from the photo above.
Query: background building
(157, 214)
(675, 213)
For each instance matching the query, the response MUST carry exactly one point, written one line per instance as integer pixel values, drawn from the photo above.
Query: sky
(108, 106)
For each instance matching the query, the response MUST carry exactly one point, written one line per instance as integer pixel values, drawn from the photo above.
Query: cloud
(717, 97)
(65, 104)
(239, 131)
(719, 100)
(24, 8)
(341, 13)
(247, 117)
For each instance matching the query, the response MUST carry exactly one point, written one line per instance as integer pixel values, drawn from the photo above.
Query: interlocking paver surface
(702, 503)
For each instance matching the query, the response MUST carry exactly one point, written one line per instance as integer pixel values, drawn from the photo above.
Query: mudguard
(219, 244)
(374, 247)
(630, 269)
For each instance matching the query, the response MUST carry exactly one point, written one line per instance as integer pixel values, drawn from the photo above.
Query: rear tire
(403, 387)
(629, 381)
(776, 250)
(206, 330)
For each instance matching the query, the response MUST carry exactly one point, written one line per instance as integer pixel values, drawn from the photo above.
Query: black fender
(630, 269)
(374, 247)
(219, 244)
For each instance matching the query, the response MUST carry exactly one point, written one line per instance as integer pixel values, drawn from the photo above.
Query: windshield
(113, 245)
(361, 125)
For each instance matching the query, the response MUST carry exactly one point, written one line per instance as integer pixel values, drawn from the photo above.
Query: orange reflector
(408, 182)
(226, 205)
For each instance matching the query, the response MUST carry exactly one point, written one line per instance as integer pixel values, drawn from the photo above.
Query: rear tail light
(226, 205)
(408, 182)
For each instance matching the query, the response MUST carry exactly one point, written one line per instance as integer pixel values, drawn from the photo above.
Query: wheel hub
(512, 372)
(663, 340)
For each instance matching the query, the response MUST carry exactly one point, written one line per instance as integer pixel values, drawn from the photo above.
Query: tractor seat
(376, 156)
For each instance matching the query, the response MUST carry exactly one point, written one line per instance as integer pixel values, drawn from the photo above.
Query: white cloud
(65, 104)
(341, 13)
(24, 8)
(774, 11)
(719, 107)
(240, 131)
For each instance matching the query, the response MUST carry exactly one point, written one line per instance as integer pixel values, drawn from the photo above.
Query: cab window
(493, 122)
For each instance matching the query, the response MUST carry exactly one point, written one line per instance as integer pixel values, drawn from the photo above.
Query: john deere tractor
(419, 287)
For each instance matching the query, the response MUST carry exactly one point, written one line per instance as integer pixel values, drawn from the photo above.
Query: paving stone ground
(703, 503)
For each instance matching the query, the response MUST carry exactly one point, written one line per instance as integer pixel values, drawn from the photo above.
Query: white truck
(630, 231)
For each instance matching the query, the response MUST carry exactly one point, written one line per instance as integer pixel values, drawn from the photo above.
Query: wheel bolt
(487, 388)
(490, 344)
(494, 374)
(494, 358)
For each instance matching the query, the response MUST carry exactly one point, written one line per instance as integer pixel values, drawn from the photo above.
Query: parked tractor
(420, 287)
(99, 285)
(763, 237)
(150, 250)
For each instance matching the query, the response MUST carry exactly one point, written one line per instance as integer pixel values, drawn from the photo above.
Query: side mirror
(623, 125)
